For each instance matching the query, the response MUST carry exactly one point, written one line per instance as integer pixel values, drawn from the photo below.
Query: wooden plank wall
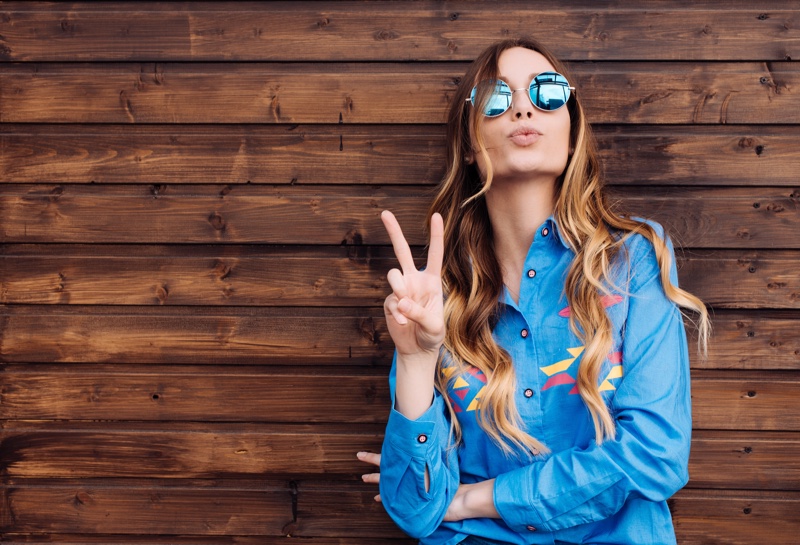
(193, 265)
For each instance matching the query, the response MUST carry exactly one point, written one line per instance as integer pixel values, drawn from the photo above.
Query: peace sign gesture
(415, 308)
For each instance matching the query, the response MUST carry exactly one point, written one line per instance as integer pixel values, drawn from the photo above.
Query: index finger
(401, 249)
(436, 248)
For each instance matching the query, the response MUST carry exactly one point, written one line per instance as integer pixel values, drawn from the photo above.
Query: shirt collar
(553, 225)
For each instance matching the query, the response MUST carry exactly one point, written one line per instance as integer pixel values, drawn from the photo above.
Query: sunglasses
(548, 92)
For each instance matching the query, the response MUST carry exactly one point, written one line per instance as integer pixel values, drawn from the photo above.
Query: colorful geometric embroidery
(558, 371)
(467, 388)
(559, 376)
(607, 300)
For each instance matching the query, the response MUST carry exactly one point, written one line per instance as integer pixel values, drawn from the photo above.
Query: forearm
(473, 501)
(415, 383)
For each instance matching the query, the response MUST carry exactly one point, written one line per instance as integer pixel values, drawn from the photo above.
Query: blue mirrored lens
(499, 98)
(549, 91)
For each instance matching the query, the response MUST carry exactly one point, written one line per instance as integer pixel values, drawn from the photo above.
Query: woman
(541, 374)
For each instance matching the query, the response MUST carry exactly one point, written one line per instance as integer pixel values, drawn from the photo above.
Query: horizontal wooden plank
(744, 460)
(722, 399)
(370, 154)
(278, 154)
(755, 217)
(203, 450)
(734, 279)
(190, 393)
(734, 401)
(202, 508)
(708, 93)
(330, 509)
(760, 460)
(297, 336)
(195, 275)
(735, 518)
(266, 276)
(241, 336)
(388, 31)
(742, 340)
(93, 539)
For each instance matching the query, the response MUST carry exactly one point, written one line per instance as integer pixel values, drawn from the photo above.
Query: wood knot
(322, 23)
(156, 190)
(762, 16)
(775, 207)
(759, 149)
(224, 191)
(353, 238)
(222, 270)
(82, 498)
(67, 26)
(746, 142)
(385, 35)
(366, 327)
(216, 221)
(451, 46)
(162, 293)
(454, 16)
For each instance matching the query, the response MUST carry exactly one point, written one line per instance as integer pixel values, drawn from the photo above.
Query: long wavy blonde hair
(473, 280)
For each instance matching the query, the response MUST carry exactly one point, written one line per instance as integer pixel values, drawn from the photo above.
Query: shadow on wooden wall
(192, 340)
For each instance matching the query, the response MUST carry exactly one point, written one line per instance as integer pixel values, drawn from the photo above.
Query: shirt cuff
(509, 493)
(416, 437)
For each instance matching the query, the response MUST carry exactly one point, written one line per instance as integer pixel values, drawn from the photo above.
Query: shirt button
(531, 273)
(524, 333)
(528, 392)
(531, 528)
(422, 438)
(545, 231)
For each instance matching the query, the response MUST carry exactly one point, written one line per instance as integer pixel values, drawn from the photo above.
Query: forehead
(519, 62)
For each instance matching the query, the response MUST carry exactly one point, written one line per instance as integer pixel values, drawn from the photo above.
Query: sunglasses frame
(569, 88)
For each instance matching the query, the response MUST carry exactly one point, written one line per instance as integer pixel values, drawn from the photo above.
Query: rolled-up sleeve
(648, 457)
(409, 448)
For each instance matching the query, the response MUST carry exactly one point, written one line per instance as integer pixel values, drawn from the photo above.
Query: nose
(521, 105)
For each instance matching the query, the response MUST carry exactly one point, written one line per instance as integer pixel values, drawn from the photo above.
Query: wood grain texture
(625, 92)
(296, 336)
(93, 539)
(370, 154)
(721, 399)
(254, 275)
(327, 509)
(189, 450)
(307, 337)
(759, 460)
(193, 393)
(427, 30)
(747, 340)
(750, 401)
(209, 214)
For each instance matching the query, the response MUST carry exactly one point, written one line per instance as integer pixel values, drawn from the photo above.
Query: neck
(516, 210)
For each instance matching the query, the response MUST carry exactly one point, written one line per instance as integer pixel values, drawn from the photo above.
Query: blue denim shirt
(580, 492)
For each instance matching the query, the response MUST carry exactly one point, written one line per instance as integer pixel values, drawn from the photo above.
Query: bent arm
(419, 467)
(648, 457)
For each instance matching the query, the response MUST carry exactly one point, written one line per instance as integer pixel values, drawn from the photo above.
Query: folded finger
(373, 478)
(397, 283)
(369, 457)
(390, 310)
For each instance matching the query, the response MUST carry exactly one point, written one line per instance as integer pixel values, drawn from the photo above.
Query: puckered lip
(523, 130)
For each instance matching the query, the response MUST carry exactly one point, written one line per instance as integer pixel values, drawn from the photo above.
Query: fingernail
(364, 477)
(404, 305)
(360, 454)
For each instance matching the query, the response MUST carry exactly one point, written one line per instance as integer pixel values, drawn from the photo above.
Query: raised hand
(415, 308)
